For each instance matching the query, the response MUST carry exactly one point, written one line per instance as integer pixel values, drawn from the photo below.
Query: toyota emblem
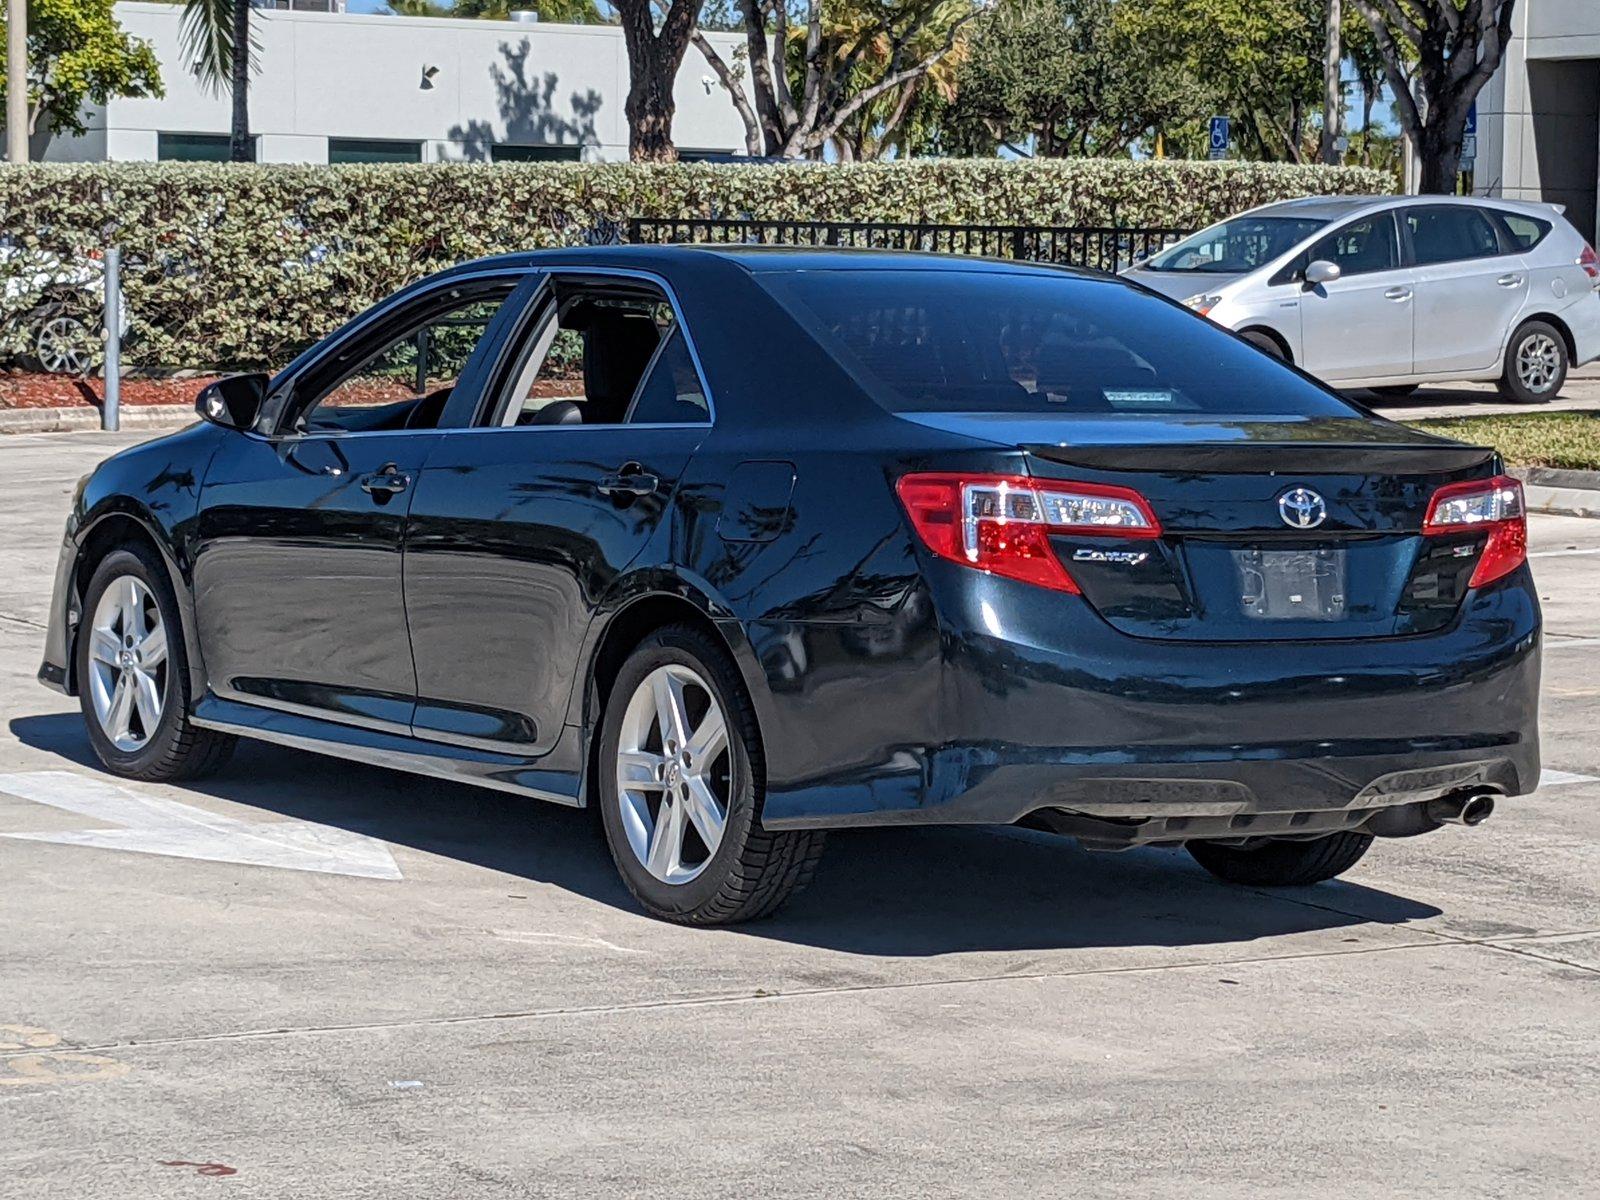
(1301, 508)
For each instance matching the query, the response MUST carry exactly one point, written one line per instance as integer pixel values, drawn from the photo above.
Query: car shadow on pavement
(882, 892)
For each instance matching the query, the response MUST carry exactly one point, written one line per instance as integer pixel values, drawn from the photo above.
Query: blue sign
(1219, 136)
(1472, 120)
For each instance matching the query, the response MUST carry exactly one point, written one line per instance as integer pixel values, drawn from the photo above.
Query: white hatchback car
(1388, 292)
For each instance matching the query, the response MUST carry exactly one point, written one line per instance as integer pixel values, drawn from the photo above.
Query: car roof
(1333, 208)
(763, 259)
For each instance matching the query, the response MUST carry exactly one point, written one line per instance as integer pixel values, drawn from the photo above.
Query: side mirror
(234, 402)
(1321, 271)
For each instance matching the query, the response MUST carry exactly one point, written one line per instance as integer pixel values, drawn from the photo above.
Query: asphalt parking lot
(306, 978)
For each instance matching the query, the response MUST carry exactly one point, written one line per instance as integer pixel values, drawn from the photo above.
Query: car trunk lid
(1271, 529)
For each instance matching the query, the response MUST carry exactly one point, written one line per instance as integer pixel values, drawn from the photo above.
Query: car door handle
(631, 480)
(386, 481)
(1397, 294)
(1509, 281)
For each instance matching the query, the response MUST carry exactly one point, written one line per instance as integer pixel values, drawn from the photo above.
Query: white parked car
(49, 309)
(1388, 292)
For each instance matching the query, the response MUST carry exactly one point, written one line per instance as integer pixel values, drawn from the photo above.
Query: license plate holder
(1303, 584)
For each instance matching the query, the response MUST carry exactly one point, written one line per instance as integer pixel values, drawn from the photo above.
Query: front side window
(1450, 234)
(405, 379)
(1013, 342)
(1236, 246)
(1359, 248)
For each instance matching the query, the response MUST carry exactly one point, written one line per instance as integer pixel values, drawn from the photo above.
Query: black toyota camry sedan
(742, 545)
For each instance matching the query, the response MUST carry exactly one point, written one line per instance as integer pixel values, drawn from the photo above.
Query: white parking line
(1550, 778)
(155, 825)
(1561, 553)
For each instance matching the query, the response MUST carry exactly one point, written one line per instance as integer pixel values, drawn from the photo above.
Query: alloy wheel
(674, 773)
(60, 347)
(1538, 361)
(127, 663)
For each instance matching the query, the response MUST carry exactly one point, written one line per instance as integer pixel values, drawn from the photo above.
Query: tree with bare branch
(1454, 48)
(808, 85)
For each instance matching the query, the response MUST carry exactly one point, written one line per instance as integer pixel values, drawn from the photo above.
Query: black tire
(1396, 391)
(752, 872)
(1282, 863)
(1265, 342)
(1532, 335)
(176, 749)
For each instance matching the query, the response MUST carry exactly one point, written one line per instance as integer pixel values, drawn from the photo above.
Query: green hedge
(234, 266)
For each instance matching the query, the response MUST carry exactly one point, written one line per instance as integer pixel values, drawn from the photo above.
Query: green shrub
(233, 266)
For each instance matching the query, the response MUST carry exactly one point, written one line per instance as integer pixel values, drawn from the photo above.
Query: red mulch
(70, 391)
(23, 390)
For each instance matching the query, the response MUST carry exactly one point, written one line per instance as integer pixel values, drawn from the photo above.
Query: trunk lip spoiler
(1281, 457)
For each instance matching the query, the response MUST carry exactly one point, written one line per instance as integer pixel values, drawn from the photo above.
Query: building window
(500, 152)
(372, 150)
(195, 147)
(691, 155)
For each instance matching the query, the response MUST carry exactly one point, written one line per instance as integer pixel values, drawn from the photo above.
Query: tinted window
(1235, 246)
(1526, 232)
(1360, 247)
(671, 392)
(406, 380)
(584, 362)
(980, 341)
(372, 150)
(195, 147)
(506, 152)
(1450, 234)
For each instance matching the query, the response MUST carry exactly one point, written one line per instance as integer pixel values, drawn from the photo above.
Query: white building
(342, 87)
(1539, 117)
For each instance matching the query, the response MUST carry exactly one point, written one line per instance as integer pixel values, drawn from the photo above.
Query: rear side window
(1527, 232)
(1449, 234)
(989, 341)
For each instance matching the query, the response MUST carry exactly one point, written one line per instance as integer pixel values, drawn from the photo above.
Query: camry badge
(1301, 508)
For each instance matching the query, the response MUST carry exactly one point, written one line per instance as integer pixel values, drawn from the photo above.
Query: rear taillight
(1493, 506)
(1002, 523)
(1589, 263)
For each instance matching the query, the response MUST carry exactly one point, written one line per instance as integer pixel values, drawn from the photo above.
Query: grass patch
(1569, 440)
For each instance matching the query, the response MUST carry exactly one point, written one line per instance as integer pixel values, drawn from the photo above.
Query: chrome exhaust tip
(1473, 808)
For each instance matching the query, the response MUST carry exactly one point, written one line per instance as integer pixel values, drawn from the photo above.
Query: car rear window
(1002, 342)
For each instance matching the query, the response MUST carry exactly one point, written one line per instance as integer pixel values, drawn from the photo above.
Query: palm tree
(217, 42)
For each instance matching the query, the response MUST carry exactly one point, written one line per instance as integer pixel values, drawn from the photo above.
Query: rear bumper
(1043, 707)
(1583, 320)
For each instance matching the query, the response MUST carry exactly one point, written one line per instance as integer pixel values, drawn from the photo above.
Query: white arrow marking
(1549, 778)
(151, 825)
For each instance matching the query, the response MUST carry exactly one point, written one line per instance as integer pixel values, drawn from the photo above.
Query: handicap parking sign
(1219, 136)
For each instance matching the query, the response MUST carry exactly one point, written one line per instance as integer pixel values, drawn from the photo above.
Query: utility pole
(17, 80)
(1332, 94)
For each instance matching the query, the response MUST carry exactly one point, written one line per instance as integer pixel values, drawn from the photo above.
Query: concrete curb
(1566, 493)
(82, 417)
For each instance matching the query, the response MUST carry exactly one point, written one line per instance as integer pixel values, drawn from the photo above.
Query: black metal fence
(1099, 248)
